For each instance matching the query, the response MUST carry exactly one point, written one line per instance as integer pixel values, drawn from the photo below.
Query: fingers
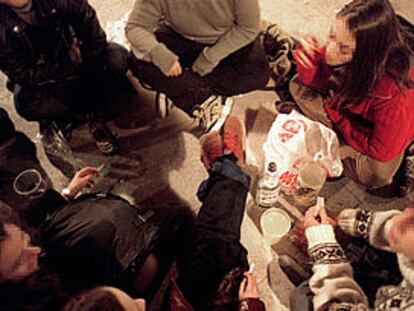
(175, 70)
(242, 288)
(251, 280)
(302, 59)
(87, 171)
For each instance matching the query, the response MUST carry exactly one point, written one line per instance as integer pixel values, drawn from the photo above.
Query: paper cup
(275, 224)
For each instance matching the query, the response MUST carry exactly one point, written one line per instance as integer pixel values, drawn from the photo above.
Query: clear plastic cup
(275, 224)
(310, 182)
(29, 183)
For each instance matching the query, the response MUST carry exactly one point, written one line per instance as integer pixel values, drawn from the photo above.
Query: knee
(116, 57)
(378, 178)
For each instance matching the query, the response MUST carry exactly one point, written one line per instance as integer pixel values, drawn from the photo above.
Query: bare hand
(313, 218)
(175, 70)
(306, 53)
(248, 287)
(82, 179)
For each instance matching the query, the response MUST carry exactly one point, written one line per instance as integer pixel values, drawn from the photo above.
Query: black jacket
(95, 238)
(58, 23)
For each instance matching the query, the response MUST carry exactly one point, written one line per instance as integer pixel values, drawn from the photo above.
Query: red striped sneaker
(233, 138)
(211, 148)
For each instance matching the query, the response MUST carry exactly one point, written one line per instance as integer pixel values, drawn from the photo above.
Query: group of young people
(99, 250)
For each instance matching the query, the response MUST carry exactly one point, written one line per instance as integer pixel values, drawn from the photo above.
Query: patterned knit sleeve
(372, 226)
(332, 283)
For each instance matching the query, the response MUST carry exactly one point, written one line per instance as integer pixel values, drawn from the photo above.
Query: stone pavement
(160, 158)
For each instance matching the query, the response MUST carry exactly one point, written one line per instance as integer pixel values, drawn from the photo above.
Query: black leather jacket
(68, 21)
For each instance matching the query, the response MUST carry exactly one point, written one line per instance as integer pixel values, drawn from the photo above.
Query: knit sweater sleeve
(139, 30)
(372, 226)
(331, 283)
(243, 32)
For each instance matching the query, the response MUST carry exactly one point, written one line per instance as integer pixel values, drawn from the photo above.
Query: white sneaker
(163, 105)
(213, 112)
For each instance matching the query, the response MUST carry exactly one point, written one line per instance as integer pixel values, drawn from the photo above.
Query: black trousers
(91, 95)
(242, 71)
(215, 249)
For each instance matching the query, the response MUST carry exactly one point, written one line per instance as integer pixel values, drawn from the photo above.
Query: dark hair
(97, 299)
(382, 47)
(7, 129)
(42, 290)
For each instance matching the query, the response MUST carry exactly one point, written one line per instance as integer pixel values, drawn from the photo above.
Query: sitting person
(60, 66)
(332, 286)
(360, 84)
(211, 272)
(194, 50)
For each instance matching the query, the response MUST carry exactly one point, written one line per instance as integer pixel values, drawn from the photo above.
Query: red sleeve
(251, 304)
(388, 137)
(317, 75)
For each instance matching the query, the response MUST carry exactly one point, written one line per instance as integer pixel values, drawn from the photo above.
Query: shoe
(233, 138)
(213, 112)
(211, 148)
(104, 139)
(286, 107)
(406, 185)
(163, 105)
(293, 270)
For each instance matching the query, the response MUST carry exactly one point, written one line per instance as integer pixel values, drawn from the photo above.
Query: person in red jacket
(360, 84)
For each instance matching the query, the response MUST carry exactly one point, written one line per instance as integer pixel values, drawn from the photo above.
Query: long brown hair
(382, 47)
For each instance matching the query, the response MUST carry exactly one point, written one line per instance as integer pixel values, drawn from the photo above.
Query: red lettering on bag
(284, 137)
(291, 126)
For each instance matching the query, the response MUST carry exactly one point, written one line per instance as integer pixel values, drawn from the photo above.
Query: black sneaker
(104, 139)
(406, 185)
(212, 113)
(163, 105)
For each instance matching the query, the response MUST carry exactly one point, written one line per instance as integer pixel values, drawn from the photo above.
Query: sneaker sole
(244, 139)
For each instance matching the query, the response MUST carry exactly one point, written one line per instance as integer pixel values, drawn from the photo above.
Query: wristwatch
(66, 193)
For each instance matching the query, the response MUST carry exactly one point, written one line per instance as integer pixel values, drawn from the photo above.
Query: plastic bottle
(267, 193)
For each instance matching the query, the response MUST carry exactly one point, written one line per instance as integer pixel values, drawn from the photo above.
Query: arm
(14, 63)
(332, 281)
(142, 22)
(243, 32)
(310, 64)
(88, 31)
(385, 141)
(372, 226)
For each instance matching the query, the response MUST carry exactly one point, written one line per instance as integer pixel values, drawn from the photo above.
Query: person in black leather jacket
(60, 65)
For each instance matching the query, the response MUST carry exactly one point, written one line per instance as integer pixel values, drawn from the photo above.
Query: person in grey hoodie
(193, 49)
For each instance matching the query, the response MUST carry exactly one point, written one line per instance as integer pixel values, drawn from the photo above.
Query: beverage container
(311, 179)
(268, 188)
(275, 224)
(29, 183)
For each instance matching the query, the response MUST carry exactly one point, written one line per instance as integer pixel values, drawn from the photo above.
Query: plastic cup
(310, 182)
(29, 183)
(275, 224)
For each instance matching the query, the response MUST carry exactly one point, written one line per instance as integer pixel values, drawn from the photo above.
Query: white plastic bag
(294, 140)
